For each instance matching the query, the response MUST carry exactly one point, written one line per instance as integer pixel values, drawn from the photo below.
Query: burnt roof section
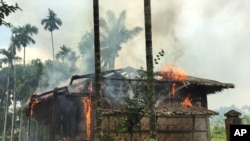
(208, 83)
(132, 74)
(211, 86)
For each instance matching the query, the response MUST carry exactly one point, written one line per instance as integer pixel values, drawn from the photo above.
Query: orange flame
(33, 104)
(170, 72)
(173, 89)
(87, 109)
(90, 87)
(186, 102)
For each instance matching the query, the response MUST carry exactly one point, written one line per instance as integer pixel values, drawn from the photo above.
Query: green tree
(135, 106)
(218, 133)
(246, 119)
(5, 10)
(114, 34)
(26, 84)
(150, 76)
(9, 58)
(51, 23)
(22, 37)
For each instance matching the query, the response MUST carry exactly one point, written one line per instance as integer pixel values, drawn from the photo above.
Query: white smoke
(206, 38)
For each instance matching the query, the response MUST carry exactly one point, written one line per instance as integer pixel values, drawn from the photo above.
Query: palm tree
(9, 59)
(51, 23)
(22, 37)
(14, 44)
(114, 35)
(63, 53)
(68, 58)
(150, 75)
(97, 70)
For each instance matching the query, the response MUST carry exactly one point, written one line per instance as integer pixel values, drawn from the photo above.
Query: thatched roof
(207, 82)
(212, 84)
(132, 74)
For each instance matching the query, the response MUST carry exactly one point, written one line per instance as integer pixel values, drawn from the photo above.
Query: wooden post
(98, 92)
(232, 118)
(193, 119)
(208, 129)
(53, 119)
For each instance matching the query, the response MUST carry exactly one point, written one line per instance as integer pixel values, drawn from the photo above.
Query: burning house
(181, 107)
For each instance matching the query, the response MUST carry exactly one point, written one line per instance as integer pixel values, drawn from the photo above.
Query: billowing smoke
(208, 39)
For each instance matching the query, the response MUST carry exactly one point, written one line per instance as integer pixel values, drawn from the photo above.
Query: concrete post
(232, 119)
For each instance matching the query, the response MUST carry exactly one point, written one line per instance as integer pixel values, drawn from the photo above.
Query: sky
(207, 39)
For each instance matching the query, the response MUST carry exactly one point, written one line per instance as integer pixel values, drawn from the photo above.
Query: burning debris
(87, 105)
(172, 73)
(33, 104)
(186, 102)
(176, 92)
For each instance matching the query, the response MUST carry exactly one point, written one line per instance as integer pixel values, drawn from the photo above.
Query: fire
(186, 102)
(170, 72)
(87, 109)
(90, 87)
(33, 104)
(173, 89)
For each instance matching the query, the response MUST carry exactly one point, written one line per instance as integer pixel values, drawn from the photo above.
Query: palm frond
(58, 21)
(129, 34)
(14, 44)
(103, 24)
(51, 21)
(9, 57)
(111, 18)
(121, 19)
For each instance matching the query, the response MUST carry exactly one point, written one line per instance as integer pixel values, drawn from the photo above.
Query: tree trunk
(53, 118)
(14, 107)
(24, 57)
(6, 105)
(20, 126)
(150, 75)
(52, 41)
(97, 71)
(53, 54)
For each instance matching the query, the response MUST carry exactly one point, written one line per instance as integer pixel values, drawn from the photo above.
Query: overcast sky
(207, 39)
